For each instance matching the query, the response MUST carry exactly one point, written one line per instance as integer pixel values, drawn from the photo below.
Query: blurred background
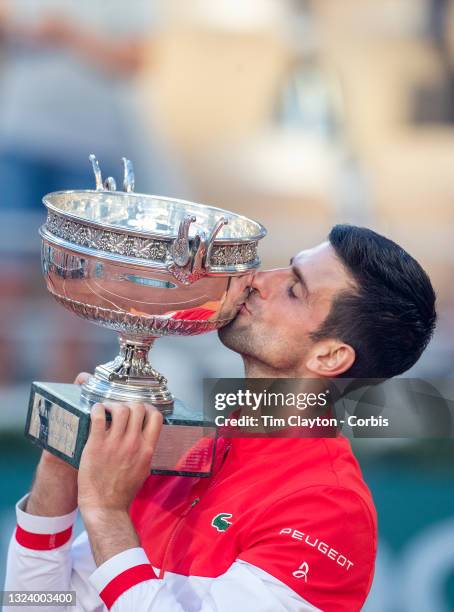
(297, 113)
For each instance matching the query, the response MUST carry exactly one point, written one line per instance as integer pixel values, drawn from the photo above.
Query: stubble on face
(261, 358)
(237, 336)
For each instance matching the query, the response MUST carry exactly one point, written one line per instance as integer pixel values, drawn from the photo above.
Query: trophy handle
(110, 184)
(97, 172)
(180, 249)
(200, 250)
(128, 175)
(189, 264)
(214, 232)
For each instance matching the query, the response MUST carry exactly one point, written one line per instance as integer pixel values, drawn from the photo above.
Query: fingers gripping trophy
(144, 266)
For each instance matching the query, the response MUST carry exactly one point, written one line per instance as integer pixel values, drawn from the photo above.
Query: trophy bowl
(145, 266)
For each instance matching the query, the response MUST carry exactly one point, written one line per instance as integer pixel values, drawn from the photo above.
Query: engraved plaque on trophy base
(59, 421)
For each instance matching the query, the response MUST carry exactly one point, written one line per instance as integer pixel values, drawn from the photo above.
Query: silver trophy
(145, 266)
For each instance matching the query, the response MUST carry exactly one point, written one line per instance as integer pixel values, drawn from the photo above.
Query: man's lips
(244, 309)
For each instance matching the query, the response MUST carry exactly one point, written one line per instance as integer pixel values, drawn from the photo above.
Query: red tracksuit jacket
(283, 524)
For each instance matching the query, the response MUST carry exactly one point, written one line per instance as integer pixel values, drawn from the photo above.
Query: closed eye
(300, 278)
(291, 292)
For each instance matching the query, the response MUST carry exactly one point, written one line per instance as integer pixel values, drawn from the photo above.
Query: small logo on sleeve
(302, 571)
(220, 521)
(317, 544)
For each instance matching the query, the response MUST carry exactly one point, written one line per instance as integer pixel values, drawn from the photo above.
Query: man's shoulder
(319, 534)
(331, 505)
(318, 463)
(339, 476)
(318, 473)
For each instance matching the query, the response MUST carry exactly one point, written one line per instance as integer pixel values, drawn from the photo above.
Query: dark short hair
(389, 317)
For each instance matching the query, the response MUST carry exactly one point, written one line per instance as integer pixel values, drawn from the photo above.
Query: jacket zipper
(186, 512)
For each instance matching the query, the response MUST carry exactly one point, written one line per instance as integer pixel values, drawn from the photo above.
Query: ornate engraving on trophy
(54, 426)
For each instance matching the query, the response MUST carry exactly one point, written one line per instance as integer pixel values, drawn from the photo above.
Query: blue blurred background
(299, 113)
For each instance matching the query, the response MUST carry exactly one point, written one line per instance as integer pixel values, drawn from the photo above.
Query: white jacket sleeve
(42, 558)
(39, 556)
(123, 585)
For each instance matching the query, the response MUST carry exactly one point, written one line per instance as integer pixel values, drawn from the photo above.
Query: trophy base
(58, 420)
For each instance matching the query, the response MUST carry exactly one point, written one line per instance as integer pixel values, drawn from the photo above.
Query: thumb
(82, 378)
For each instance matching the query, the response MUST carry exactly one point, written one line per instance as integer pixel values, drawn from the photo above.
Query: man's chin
(232, 336)
(224, 331)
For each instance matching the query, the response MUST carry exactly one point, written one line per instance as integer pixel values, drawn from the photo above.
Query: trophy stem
(129, 377)
(132, 363)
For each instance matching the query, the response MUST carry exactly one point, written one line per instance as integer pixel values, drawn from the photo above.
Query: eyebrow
(299, 275)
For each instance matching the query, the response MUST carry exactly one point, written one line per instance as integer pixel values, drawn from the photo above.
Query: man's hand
(116, 460)
(114, 464)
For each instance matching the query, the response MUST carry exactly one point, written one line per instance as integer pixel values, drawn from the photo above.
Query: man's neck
(257, 369)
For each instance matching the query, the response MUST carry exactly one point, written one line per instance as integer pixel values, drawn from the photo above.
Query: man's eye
(291, 292)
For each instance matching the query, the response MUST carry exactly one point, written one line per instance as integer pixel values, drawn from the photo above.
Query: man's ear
(330, 358)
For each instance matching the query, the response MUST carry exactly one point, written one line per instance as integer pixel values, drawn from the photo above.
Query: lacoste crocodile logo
(220, 521)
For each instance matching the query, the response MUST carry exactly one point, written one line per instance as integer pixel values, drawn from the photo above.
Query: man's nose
(265, 281)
